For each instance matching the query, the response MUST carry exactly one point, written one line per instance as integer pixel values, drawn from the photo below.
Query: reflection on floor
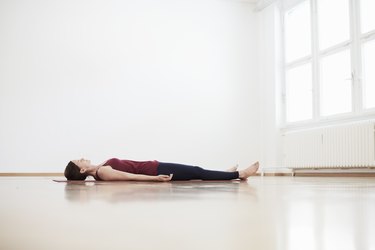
(291, 213)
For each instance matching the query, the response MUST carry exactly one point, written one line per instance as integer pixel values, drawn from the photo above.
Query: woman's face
(82, 163)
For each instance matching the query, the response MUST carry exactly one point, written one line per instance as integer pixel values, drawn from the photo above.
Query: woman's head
(76, 169)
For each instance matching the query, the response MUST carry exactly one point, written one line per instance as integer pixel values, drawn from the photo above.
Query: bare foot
(244, 174)
(232, 169)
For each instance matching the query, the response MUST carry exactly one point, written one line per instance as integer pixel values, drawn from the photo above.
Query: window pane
(369, 74)
(336, 87)
(333, 19)
(298, 32)
(299, 93)
(367, 15)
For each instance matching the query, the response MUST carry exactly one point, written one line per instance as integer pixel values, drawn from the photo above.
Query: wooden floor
(290, 213)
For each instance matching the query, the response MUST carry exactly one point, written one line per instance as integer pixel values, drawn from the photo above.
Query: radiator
(346, 146)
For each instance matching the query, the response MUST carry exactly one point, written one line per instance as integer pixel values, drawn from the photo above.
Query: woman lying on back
(127, 170)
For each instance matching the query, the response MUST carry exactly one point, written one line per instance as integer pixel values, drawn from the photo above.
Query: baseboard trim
(353, 174)
(319, 174)
(275, 174)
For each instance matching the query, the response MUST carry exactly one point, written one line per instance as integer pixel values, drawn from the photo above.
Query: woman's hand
(163, 177)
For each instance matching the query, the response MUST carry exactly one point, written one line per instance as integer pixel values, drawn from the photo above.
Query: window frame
(354, 46)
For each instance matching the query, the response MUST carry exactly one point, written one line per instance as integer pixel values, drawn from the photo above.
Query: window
(336, 84)
(299, 90)
(367, 15)
(329, 58)
(369, 74)
(333, 20)
(297, 51)
(368, 52)
(297, 32)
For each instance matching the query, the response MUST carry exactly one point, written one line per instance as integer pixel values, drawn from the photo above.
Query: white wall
(172, 80)
(270, 86)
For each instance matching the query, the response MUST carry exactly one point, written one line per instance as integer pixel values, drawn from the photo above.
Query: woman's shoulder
(102, 170)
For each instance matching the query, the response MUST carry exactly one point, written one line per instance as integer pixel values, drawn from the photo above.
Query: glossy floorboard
(290, 213)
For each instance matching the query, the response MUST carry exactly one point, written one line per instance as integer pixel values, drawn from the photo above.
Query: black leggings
(186, 172)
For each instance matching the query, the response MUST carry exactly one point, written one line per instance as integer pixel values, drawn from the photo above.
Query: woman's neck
(92, 170)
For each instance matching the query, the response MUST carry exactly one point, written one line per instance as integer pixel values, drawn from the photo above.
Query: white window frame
(354, 45)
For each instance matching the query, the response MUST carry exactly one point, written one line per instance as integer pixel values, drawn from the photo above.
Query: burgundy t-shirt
(134, 167)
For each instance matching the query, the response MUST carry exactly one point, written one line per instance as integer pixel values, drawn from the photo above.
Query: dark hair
(72, 172)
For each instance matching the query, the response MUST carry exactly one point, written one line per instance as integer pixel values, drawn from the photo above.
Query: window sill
(329, 121)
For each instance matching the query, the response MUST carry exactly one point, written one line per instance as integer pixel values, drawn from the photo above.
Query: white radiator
(347, 146)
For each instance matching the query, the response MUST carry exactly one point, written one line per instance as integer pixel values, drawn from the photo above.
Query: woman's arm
(107, 173)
